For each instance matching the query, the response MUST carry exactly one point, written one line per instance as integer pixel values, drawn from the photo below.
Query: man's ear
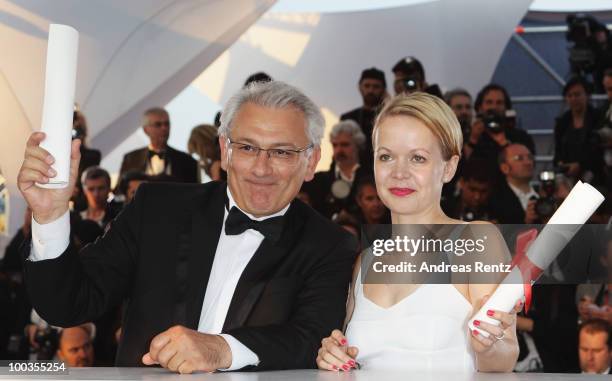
(504, 168)
(147, 130)
(313, 160)
(224, 152)
(450, 168)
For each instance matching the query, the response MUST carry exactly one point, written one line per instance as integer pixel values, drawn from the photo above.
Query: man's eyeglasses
(528, 157)
(161, 123)
(278, 156)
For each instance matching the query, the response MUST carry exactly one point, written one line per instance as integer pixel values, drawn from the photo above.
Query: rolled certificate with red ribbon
(579, 205)
(58, 104)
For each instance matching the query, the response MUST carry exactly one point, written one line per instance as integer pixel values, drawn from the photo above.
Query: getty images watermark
(475, 253)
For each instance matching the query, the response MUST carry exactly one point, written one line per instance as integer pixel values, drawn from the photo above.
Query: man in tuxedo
(214, 276)
(513, 202)
(159, 158)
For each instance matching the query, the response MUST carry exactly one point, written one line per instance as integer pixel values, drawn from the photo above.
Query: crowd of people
(567, 328)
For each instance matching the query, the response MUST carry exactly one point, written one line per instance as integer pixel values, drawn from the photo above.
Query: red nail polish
(351, 363)
(345, 367)
(342, 342)
(475, 332)
(490, 313)
(476, 323)
(334, 367)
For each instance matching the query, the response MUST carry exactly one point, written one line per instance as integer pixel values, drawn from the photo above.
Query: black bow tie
(237, 222)
(160, 154)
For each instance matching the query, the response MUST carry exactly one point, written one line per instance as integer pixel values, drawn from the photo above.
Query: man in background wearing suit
(159, 158)
(514, 200)
(215, 276)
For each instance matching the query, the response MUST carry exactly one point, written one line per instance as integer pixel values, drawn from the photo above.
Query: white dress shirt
(156, 165)
(233, 254)
(522, 196)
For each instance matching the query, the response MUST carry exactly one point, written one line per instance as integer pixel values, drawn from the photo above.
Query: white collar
(520, 193)
(339, 173)
(232, 203)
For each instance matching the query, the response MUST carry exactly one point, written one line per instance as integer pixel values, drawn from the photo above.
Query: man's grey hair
(158, 111)
(449, 95)
(350, 127)
(274, 94)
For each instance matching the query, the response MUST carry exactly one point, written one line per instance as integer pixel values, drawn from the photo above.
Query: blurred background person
(371, 208)
(373, 89)
(89, 157)
(514, 198)
(159, 158)
(495, 124)
(409, 76)
(203, 145)
(75, 346)
(130, 182)
(475, 187)
(334, 190)
(595, 347)
(96, 187)
(576, 143)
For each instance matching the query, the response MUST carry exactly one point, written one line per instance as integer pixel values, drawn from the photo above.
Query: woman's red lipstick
(401, 191)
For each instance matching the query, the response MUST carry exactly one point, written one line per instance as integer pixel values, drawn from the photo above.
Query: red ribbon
(529, 270)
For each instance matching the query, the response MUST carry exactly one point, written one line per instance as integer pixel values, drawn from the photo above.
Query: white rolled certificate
(575, 210)
(58, 104)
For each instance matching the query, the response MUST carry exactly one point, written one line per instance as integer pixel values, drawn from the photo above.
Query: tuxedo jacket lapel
(142, 159)
(259, 270)
(207, 222)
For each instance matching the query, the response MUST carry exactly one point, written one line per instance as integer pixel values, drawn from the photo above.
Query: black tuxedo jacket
(321, 197)
(183, 167)
(157, 257)
(505, 206)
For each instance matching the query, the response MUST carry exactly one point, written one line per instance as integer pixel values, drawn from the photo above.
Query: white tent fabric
(135, 54)
(132, 54)
(459, 42)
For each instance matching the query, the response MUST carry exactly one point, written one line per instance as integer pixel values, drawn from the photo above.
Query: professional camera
(470, 214)
(581, 32)
(546, 205)
(47, 340)
(493, 121)
(411, 83)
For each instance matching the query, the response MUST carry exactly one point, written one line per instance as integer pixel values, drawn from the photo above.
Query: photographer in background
(334, 190)
(373, 89)
(410, 78)
(475, 186)
(495, 125)
(577, 152)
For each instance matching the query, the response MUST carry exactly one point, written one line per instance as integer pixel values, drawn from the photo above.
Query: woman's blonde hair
(202, 140)
(433, 112)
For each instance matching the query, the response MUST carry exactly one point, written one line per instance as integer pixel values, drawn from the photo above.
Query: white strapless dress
(426, 331)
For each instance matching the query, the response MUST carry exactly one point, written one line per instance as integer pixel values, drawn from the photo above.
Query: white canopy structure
(132, 54)
(137, 54)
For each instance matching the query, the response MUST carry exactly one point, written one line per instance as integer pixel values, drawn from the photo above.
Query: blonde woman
(203, 146)
(422, 327)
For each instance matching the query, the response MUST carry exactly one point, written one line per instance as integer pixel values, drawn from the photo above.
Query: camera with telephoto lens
(411, 83)
(493, 121)
(546, 205)
(47, 340)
